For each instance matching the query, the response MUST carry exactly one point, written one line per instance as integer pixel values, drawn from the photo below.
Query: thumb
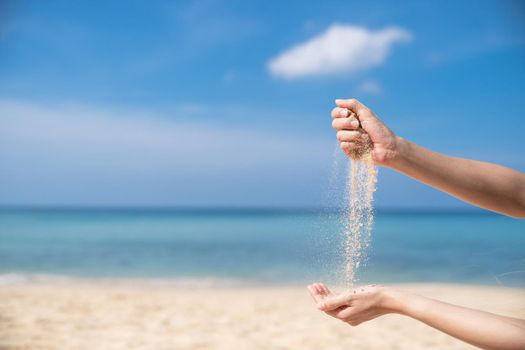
(363, 113)
(332, 303)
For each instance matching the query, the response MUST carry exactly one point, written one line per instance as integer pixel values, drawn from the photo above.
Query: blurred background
(192, 139)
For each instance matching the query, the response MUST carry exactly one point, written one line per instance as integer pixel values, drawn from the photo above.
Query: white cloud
(342, 48)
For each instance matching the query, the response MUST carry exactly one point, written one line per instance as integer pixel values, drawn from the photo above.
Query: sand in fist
(359, 129)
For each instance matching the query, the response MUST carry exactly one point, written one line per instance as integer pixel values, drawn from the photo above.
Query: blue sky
(178, 103)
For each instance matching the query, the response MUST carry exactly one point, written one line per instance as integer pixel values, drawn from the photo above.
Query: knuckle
(346, 124)
(344, 135)
(354, 102)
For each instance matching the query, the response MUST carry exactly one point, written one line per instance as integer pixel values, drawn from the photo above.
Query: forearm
(482, 329)
(485, 185)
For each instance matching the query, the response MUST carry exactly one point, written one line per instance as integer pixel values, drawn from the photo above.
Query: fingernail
(343, 113)
(354, 123)
(338, 101)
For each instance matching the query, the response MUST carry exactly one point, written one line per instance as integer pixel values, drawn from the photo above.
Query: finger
(310, 290)
(318, 289)
(364, 114)
(346, 313)
(350, 123)
(349, 135)
(352, 104)
(342, 113)
(354, 150)
(348, 146)
(333, 313)
(334, 302)
(321, 289)
(326, 290)
(314, 294)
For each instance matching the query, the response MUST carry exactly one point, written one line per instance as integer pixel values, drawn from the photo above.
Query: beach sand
(85, 314)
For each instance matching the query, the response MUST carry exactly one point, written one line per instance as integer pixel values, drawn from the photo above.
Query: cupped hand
(359, 129)
(355, 306)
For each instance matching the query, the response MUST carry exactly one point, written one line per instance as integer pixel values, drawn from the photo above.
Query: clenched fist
(360, 130)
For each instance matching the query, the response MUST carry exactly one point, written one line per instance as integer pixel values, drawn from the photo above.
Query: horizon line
(232, 209)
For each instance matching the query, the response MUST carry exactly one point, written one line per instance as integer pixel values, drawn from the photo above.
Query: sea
(257, 246)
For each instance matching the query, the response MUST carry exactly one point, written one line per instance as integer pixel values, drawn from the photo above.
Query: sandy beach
(146, 315)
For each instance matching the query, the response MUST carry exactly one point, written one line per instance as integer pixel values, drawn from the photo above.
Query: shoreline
(135, 314)
(18, 279)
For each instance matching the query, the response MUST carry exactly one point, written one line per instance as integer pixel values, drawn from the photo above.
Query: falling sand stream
(358, 215)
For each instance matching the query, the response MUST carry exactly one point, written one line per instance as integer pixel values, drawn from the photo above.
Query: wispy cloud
(209, 23)
(340, 49)
(370, 87)
(483, 44)
(94, 155)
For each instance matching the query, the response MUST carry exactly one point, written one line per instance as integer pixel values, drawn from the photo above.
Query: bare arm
(479, 328)
(485, 185)
(482, 329)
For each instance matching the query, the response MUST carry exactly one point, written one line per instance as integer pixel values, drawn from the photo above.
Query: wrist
(392, 300)
(400, 153)
(395, 301)
(408, 304)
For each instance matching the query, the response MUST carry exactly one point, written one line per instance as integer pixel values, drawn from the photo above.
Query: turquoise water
(259, 246)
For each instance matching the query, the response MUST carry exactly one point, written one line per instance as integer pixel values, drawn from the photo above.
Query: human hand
(356, 306)
(358, 128)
